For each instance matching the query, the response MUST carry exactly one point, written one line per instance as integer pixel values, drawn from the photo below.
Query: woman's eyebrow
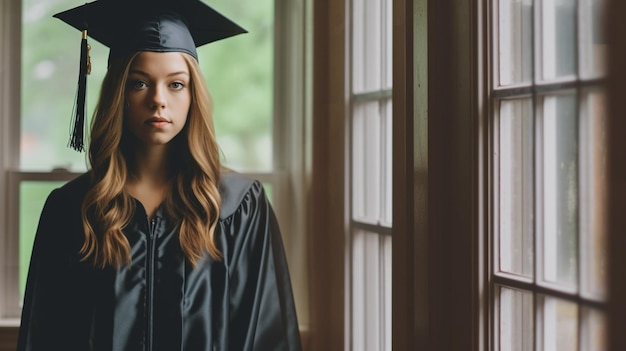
(140, 72)
(178, 73)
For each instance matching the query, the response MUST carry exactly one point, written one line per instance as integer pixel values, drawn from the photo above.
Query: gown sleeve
(53, 312)
(261, 311)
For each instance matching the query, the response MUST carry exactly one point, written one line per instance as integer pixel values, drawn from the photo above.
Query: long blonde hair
(193, 199)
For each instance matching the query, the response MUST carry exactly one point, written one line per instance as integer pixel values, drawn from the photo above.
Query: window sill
(9, 322)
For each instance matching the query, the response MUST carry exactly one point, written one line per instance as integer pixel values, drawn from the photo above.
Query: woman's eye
(137, 84)
(177, 85)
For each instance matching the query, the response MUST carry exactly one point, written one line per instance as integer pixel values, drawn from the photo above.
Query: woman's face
(158, 97)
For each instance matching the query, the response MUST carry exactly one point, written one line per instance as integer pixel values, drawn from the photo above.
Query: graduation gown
(159, 301)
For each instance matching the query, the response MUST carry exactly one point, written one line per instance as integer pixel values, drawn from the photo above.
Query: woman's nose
(157, 98)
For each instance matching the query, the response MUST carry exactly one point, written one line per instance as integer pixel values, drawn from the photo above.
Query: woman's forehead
(159, 63)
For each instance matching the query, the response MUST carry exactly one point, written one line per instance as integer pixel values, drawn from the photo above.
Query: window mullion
(10, 82)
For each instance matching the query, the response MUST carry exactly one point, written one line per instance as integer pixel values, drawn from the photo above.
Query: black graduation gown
(159, 301)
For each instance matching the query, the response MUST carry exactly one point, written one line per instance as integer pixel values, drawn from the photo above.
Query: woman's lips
(158, 122)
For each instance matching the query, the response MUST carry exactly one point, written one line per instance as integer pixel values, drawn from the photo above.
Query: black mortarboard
(142, 25)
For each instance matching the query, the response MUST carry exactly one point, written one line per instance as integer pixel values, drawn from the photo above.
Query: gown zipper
(150, 282)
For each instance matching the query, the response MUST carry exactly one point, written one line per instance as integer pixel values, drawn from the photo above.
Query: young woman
(156, 247)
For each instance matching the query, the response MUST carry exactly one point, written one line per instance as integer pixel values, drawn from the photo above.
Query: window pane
(366, 162)
(516, 187)
(371, 291)
(241, 87)
(560, 189)
(387, 43)
(49, 82)
(560, 325)
(371, 162)
(593, 40)
(594, 330)
(516, 320)
(594, 258)
(515, 45)
(386, 171)
(33, 195)
(367, 45)
(558, 38)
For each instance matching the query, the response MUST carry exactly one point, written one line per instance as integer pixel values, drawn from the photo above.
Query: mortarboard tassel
(78, 115)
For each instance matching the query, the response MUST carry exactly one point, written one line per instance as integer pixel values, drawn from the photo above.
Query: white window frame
(291, 157)
(369, 256)
(544, 293)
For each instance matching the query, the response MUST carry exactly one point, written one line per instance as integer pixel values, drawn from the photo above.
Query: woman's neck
(151, 166)
(148, 181)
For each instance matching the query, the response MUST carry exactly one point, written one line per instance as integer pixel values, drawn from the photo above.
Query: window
(548, 136)
(36, 119)
(369, 295)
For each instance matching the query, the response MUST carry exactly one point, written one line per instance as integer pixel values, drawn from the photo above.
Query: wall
(8, 338)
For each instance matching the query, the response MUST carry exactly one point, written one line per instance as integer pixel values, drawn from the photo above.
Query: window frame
(368, 280)
(536, 89)
(10, 82)
(616, 200)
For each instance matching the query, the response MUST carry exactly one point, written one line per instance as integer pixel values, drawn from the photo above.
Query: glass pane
(514, 41)
(367, 45)
(516, 187)
(560, 325)
(366, 162)
(515, 330)
(593, 39)
(594, 256)
(387, 169)
(560, 189)
(558, 38)
(594, 331)
(243, 88)
(371, 291)
(33, 195)
(387, 44)
(386, 291)
(49, 82)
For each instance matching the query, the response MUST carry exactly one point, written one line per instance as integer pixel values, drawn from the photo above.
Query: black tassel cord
(78, 113)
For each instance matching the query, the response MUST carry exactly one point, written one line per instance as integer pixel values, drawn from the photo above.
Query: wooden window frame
(438, 121)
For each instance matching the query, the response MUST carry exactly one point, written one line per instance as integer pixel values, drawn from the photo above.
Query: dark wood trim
(453, 177)
(409, 296)
(438, 227)
(8, 338)
(328, 219)
(616, 187)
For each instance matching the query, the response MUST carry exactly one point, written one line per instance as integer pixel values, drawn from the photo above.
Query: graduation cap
(129, 26)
